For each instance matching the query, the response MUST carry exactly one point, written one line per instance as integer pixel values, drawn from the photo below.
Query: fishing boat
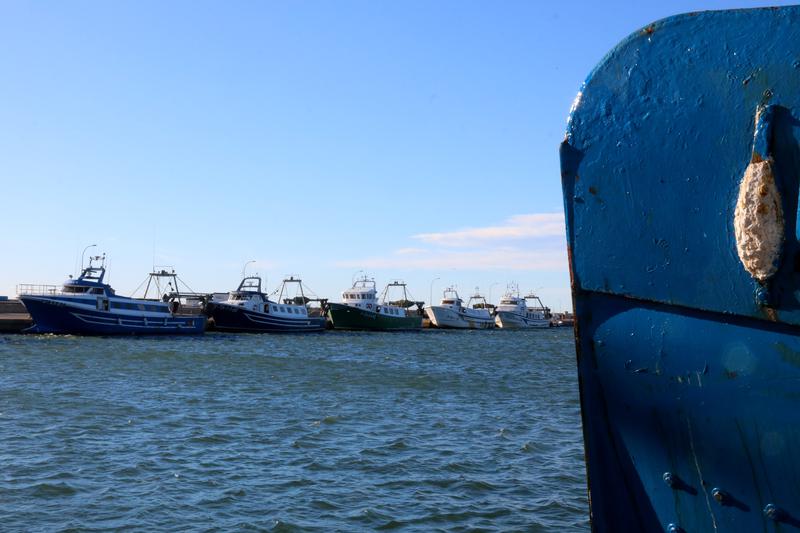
(452, 313)
(361, 309)
(680, 171)
(87, 305)
(513, 312)
(249, 310)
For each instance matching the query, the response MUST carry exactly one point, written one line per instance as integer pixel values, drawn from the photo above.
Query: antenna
(84, 253)
(244, 268)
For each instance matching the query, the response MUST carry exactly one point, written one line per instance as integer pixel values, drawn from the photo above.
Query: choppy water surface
(438, 430)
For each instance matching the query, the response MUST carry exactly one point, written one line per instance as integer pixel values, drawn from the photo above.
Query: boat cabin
(249, 288)
(90, 281)
(451, 299)
(362, 294)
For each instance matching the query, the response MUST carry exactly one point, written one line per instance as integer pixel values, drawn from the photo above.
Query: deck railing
(36, 289)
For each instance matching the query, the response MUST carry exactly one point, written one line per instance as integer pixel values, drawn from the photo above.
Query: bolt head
(772, 511)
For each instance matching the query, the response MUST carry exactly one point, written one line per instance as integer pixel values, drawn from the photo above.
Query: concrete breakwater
(13, 317)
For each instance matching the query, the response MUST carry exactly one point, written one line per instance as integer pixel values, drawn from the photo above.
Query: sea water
(428, 431)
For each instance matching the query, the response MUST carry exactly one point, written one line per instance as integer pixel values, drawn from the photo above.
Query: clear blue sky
(414, 140)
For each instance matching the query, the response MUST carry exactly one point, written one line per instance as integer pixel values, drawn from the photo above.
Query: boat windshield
(75, 290)
(240, 296)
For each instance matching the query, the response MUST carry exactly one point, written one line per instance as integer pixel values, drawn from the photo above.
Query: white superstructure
(452, 313)
(514, 311)
(363, 295)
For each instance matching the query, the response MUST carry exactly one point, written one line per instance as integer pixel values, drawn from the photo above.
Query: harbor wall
(13, 317)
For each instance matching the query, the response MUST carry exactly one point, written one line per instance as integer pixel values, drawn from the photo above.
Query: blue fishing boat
(249, 310)
(89, 306)
(680, 172)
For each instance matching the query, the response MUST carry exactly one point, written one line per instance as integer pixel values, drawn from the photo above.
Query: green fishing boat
(362, 310)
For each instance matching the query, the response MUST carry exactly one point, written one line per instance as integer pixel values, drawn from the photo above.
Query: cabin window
(283, 309)
(75, 289)
(97, 291)
(274, 307)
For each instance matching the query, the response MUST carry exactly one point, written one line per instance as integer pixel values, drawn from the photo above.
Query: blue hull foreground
(238, 320)
(680, 172)
(52, 315)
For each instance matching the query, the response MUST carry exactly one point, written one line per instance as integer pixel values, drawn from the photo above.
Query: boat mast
(154, 279)
(299, 282)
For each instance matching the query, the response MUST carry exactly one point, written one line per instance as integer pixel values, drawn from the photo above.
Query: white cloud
(528, 242)
(529, 226)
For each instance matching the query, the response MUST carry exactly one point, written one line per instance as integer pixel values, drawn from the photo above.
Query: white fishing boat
(514, 312)
(452, 313)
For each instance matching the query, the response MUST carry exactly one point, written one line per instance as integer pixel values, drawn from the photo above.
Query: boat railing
(35, 289)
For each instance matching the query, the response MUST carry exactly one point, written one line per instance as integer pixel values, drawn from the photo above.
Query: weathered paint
(688, 355)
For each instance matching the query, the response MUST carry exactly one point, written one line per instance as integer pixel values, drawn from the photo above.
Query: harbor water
(426, 431)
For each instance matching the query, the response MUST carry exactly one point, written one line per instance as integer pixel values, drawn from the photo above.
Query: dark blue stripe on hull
(243, 321)
(57, 317)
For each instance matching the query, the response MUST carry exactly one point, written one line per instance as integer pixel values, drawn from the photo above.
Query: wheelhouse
(362, 294)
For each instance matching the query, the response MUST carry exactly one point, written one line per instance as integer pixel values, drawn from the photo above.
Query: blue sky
(413, 140)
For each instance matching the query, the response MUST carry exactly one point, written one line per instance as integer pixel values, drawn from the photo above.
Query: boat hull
(509, 320)
(446, 318)
(688, 353)
(235, 319)
(60, 317)
(351, 318)
(689, 405)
